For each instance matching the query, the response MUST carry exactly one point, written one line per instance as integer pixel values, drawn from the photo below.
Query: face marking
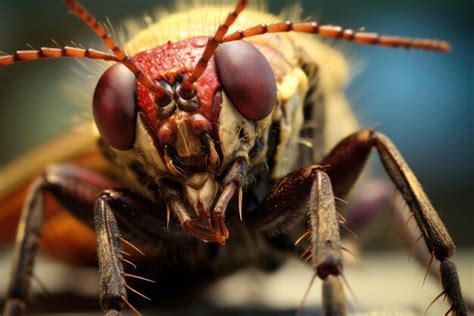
(188, 143)
(179, 57)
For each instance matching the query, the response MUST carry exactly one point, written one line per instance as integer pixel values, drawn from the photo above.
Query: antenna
(186, 89)
(338, 32)
(97, 27)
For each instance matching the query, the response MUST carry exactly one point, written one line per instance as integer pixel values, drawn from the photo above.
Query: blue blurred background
(423, 101)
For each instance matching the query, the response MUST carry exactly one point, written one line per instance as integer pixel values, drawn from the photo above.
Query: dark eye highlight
(114, 107)
(247, 79)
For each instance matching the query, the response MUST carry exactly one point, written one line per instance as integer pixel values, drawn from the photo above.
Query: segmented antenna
(46, 52)
(338, 32)
(97, 27)
(186, 89)
(78, 10)
(73, 52)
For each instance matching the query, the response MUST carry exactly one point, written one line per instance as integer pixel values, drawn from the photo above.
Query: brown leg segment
(309, 191)
(286, 202)
(343, 165)
(326, 244)
(333, 297)
(25, 250)
(79, 192)
(77, 189)
(346, 161)
(112, 285)
(420, 253)
(325, 239)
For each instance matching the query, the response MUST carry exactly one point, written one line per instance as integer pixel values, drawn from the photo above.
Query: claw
(219, 229)
(215, 232)
(170, 163)
(199, 232)
(213, 159)
(212, 228)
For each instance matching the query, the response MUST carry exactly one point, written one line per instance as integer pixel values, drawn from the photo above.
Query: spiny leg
(345, 162)
(77, 189)
(309, 191)
(284, 205)
(142, 220)
(419, 251)
(333, 297)
(66, 187)
(25, 250)
(326, 244)
(347, 159)
(138, 219)
(112, 285)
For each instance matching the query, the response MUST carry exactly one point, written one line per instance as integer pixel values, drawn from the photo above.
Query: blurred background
(423, 101)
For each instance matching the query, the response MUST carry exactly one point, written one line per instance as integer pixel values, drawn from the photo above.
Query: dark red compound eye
(247, 78)
(114, 107)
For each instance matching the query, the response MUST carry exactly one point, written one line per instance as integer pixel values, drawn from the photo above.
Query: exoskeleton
(199, 161)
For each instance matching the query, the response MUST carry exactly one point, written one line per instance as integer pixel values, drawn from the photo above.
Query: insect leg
(418, 250)
(58, 181)
(308, 190)
(347, 159)
(25, 250)
(326, 255)
(333, 297)
(77, 189)
(112, 286)
(285, 203)
(118, 211)
(142, 220)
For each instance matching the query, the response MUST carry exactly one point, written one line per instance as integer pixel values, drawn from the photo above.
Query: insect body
(190, 123)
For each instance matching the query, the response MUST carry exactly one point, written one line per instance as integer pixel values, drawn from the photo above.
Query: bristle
(305, 295)
(434, 300)
(413, 247)
(134, 310)
(132, 246)
(429, 267)
(137, 292)
(134, 276)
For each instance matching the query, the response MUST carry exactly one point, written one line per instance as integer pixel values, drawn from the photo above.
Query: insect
(198, 161)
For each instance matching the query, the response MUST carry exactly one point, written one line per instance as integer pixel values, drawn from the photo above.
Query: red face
(168, 64)
(184, 128)
(178, 124)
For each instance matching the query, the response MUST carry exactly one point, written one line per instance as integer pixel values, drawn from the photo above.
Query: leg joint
(109, 301)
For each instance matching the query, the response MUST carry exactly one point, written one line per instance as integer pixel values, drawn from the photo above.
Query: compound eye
(114, 107)
(247, 78)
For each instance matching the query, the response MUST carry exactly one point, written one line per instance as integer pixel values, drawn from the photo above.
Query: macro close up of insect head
(213, 157)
